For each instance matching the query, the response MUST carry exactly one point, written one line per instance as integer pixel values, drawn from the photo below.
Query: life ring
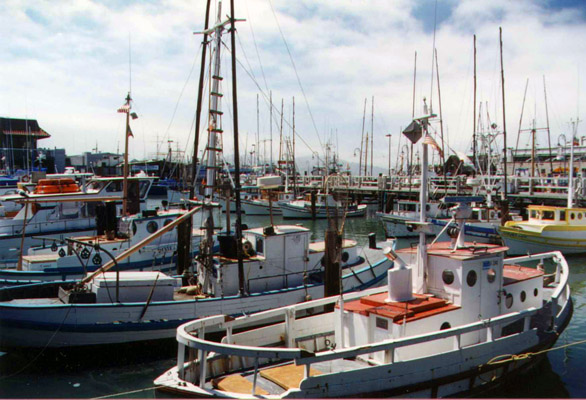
(25, 178)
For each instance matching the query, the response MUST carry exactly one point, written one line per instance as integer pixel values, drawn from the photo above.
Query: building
(18, 143)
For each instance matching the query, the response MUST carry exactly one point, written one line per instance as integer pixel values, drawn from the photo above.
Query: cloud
(67, 65)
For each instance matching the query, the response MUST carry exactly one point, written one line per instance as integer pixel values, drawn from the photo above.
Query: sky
(69, 64)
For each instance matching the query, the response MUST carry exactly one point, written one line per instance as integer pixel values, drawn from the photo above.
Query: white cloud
(66, 64)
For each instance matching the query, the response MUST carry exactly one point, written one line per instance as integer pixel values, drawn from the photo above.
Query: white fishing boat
(302, 209)
(395, 223)
(456, 318)
(283, 268)
(56, 210)
(73, 258)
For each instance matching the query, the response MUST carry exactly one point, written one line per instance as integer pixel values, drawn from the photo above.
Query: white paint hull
(257, 208)
(54, 324)
(522, 242)
(296, 212)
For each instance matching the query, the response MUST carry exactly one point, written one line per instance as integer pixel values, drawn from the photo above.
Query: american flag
(124, 109)
(429, 140)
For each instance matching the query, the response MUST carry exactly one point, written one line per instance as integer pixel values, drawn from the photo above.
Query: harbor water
(129, 371)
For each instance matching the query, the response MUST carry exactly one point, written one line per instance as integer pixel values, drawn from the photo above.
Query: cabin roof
(470, 251)
(555, 208)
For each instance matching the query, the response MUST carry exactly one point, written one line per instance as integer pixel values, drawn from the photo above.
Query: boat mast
(362, 139)
(548, 133)
(236, 155)
(504, 122)
(271, 128)
(571, 174)
(199, 103)
(127, 107)
(372, 137)
(475, 161)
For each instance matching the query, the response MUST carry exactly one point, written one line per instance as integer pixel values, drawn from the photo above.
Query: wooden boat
(455, 318)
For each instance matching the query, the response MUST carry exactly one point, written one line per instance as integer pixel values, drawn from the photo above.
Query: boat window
(562, 215)
(345, 256)
(114, 186)
(548, 214)
(534, 214)
(523, 296)
(535, 292)
(168, 221)
(95, 185)
(445, 325)
(509, 300)
(260, 245)
(448, 277)
(572, 215)
(471, 278)
(142, 188)
(152, 227)
(382, 323)
(579, 215)
(491, 275)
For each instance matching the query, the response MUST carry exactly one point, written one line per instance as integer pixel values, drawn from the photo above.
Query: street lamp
(389, 136)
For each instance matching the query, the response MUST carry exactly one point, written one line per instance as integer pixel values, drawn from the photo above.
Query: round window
(523, 296)
(134, 228)
(345, 256)
(152, 227)
(579, 215)
(509, 300)
(572, 216)
(445, 325)
(535, 292)
(471, 278)
(491, 275)
(448, 277)
(168, 221)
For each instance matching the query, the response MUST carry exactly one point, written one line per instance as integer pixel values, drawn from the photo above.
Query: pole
(474, 160)
(362, 139)
(441, 121)
(548, 133)
(372, 137)
(389, 136)
(504, 115)
(125, 175)
(199, 103)
(271, 128)
(236, 157)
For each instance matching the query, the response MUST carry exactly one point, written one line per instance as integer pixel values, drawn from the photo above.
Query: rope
(506, 358)
(129, 392)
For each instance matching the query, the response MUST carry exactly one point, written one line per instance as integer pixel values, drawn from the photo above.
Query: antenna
(129, 65)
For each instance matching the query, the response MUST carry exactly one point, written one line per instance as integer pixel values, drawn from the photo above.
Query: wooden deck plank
(237, 384)
(287, 376)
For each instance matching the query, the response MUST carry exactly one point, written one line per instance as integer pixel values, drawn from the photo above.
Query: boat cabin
(463, 285)
(547, 215)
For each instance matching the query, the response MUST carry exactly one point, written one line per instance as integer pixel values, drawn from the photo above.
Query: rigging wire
(255, 46)
(297, 76)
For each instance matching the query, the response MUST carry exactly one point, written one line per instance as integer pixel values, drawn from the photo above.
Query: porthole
(509, 300)
(134, 228)
(152, 227)
(448, 277)
(471, 278)
(572, 215)
(445, 325)
(491, 275)
(535, 292)
(523, 296)
(167, 221)
(345, 256)
(579, 215)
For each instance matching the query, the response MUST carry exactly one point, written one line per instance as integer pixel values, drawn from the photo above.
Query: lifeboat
(54, 186)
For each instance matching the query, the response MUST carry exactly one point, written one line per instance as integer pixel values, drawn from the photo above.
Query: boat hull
(294, 212)
(255, 208)
(521, 242)
(58, 325)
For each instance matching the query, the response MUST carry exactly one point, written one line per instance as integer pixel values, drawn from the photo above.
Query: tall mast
(281, 134)
(257, 131)
(362, 139)
(504, 115)
(199, 103)
(271, 128)
(371, 136)
(293, 140)
(236, 155)
(474, 160)
(366, 156)
(548, 133)
(126, 167)
(441, 120)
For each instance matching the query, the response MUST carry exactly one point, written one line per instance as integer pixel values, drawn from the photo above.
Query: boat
(285, 269)
(395, 223)
(549, 228)
(302, 208)
(456, 318)
(72, 258)
(65, 212)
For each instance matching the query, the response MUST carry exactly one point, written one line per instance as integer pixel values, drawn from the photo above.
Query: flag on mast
(124, 109)
(429, 140)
